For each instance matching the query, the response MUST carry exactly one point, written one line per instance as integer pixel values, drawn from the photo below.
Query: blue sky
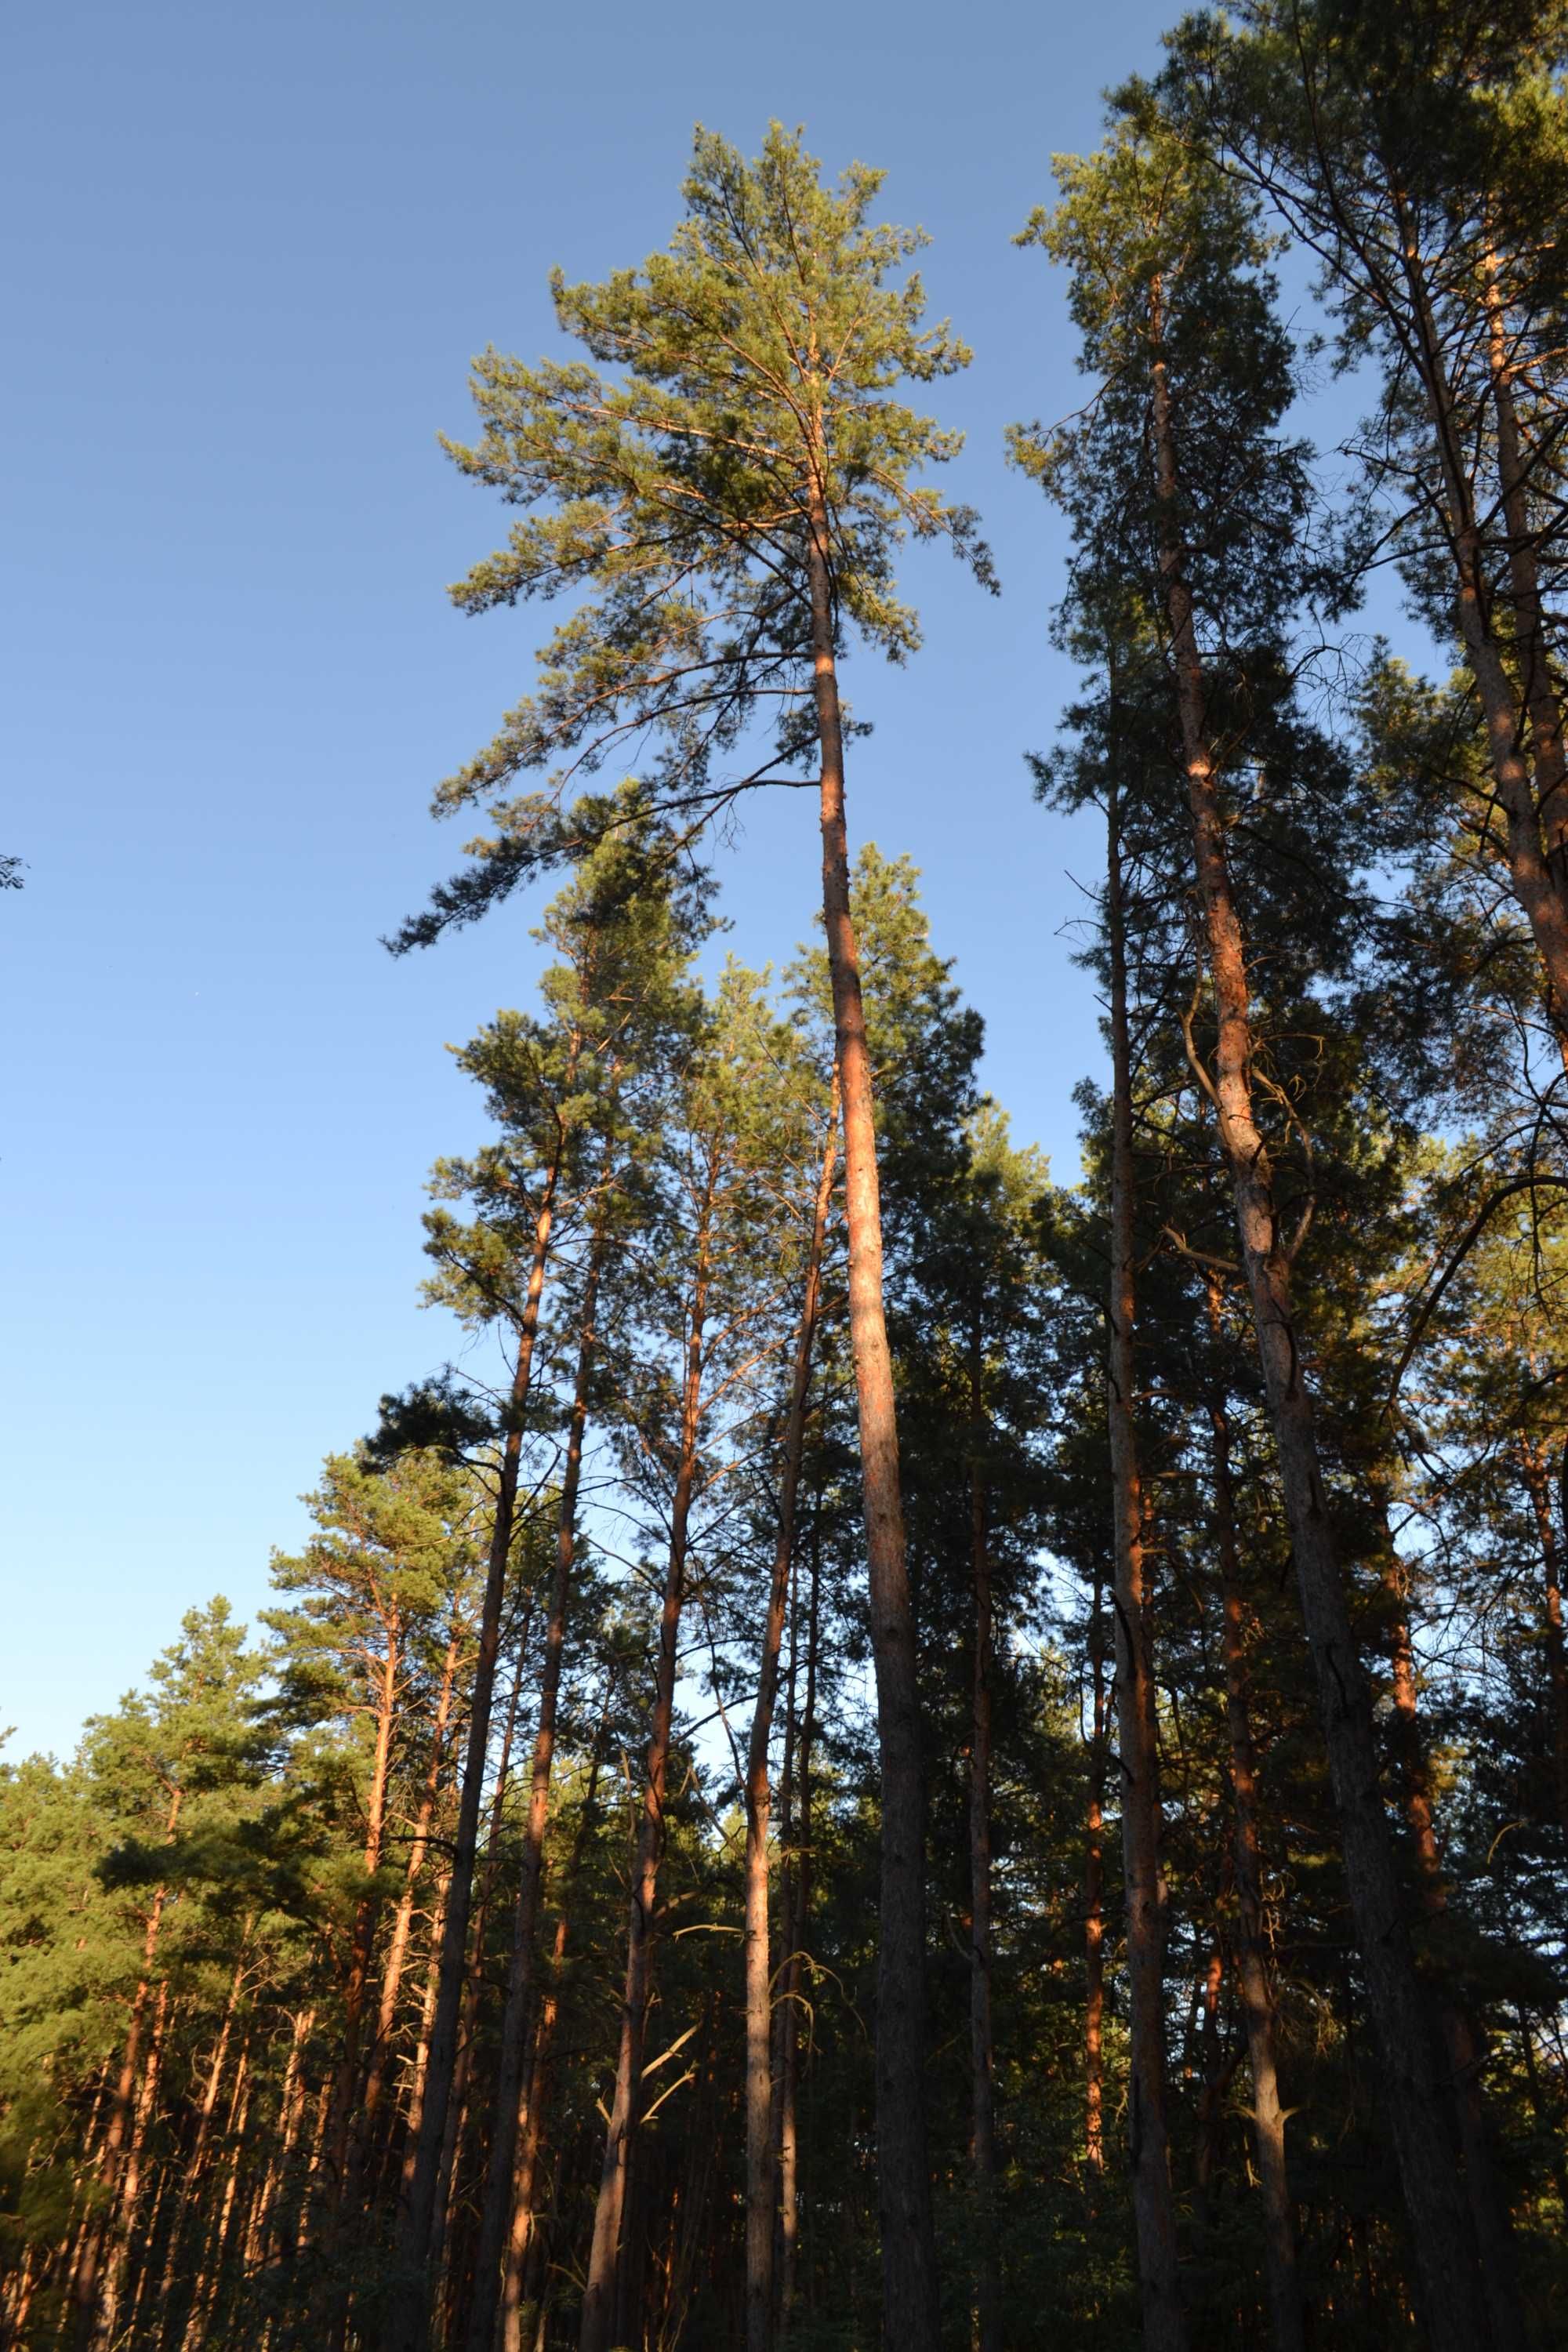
(253, 251)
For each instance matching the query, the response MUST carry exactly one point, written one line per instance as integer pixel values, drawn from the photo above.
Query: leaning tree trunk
(497, 2207)
(1252, 1949)
(1454, 2308)
(410, 2328)
(759, 2092)
(911, 2316)
(602, 2293)
(1153, 2206)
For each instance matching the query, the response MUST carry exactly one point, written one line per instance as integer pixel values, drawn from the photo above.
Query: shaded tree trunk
(1460, 2043)
(1537, 1487)
(1252, 1951)
(1154, 2211)
(982, 2051)
(1094, 1911)
(1445, 2250)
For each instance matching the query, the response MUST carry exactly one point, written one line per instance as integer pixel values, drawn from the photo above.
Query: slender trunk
(909, 2295)
(1538, 689)
(519, 2234)
(1252, 1950)
(410, 2323)
(1460, 2043)
(795, 1938)
(1531, 876)
(759, 2088)
(336, 2184)
(1533, 1465)
(85, 2293)
(458, 2104)
(402, 1925)
(1434, 2197)
(498, 2197)
(1154, 2211)
(1094, 1912)
(111, 2294)
(602, 2295)
(982, 2056)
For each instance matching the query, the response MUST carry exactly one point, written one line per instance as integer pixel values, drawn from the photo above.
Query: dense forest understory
(900, 1752)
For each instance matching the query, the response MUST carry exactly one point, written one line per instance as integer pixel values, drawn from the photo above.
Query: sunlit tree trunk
(761, 2199)
(602, 2293)
(531, 2130)
(409, 2331)
(498, 2186)
(910, 2298)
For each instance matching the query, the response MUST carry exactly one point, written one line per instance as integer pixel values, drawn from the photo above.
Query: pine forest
(911, 1750)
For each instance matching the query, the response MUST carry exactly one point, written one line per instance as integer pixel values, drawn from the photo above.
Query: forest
(904, 1752)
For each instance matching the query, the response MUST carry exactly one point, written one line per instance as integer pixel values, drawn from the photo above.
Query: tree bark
(1094, 1913)
(85, 2284)
(1461, 2045)
(1252, 1950)
(1531, 876)
(601, 2295)
(1154, 2211)
(1445, 2252)
(1534, 1465)
(910, 2317)
(498, 2196)
(759, 2084)
(530, 2135)
(982, 2051)
(798, 1914)
(410, 2329)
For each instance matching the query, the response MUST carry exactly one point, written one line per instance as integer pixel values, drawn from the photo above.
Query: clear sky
(252, 251)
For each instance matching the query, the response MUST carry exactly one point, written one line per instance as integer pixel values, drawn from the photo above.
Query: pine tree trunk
(1487, 2210)
(498, 2186)
(410, 2329)
(1094, 1914)
(761, 2201)
(1534, 882)
(85, 2294)
(1444, 2246)
(1252, 1950)
(982, 2054)
(1539, 693)
(910, 2320)
(531, 2137)
(602, 2295)
(1153, 2207)
(1537, 1487)
(796, 1928)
